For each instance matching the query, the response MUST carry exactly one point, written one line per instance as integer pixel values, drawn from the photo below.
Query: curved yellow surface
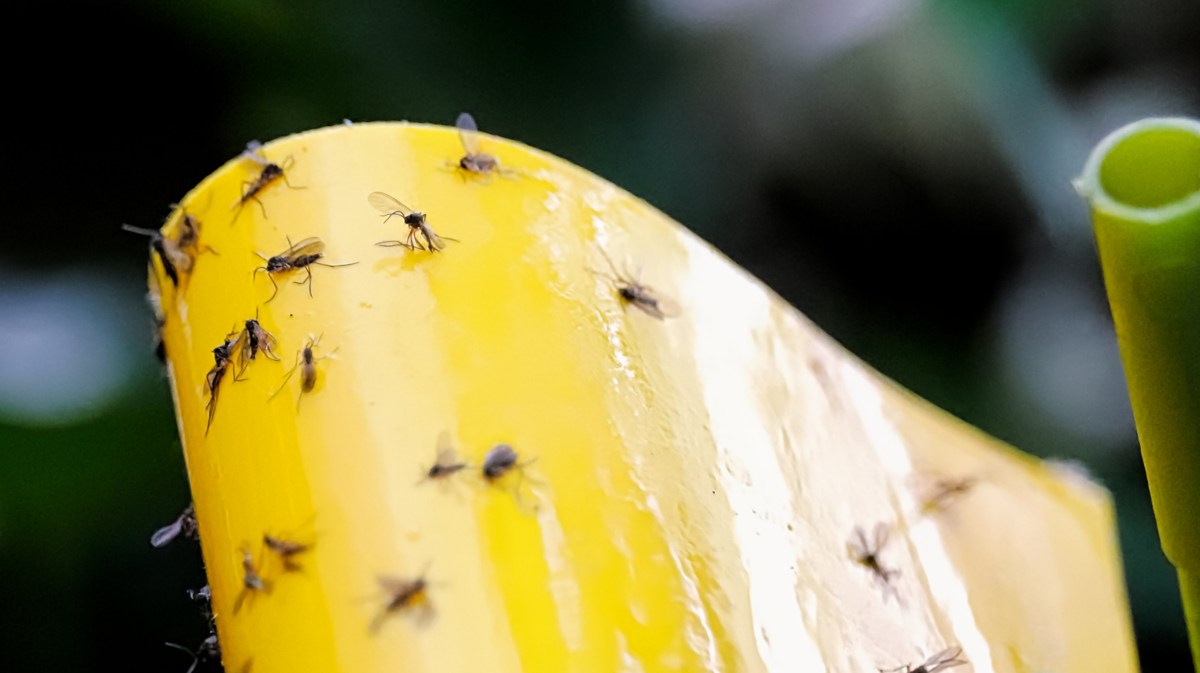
(687, 486)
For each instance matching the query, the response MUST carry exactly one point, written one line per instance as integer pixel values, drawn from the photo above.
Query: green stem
(1143, 183)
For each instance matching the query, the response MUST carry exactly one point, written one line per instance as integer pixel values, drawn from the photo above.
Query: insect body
(252, 340)
(187, 242)
(474, 161)
(286, 549)
(184, 525)
(251, 581)
(866, 553)
(271, 172)
(403, 594)
(222, 355)
(447, 462)
(300, 255)
(389, 206)
(306, 361)
(945, 491)
(633, 292)
(947, 658)
(499, 461)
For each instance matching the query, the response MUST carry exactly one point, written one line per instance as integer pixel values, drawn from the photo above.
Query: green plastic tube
(1143, 184)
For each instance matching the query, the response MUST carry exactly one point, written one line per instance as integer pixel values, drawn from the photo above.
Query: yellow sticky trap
(685, 484)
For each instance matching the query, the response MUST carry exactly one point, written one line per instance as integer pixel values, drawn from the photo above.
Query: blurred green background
(899, 170)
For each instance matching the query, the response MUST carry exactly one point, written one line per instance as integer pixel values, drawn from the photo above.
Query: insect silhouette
(945, 491)
(403, 594)
(251, 341)
(187, 241)
(165, 249)
(222, 355)
(418, 227)
(634, 292)
(287, 550)
(203, 595)
(306, 361)
(475, 161)
(947, 658)
(184, 525)
(300, 255)
(251, 581)
(209, 650)
(866, 553)
(271, 173)
(447, 462)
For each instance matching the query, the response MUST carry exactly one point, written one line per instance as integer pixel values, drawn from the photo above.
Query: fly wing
(947, 658)
(432, 240)
(468, 133)
(254, 153)
(387, 204)
(164, 535)
(653, 304)
(309, 246)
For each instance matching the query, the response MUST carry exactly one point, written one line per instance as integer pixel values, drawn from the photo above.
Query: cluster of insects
(866, 550)
(247, 341)
(176, 253)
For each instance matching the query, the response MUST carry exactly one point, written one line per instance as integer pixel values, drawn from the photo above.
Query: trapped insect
(187, 241)
(947, 658)
(165, 249)
(300, 255)
(639, 295)
(252, 340)
(209, 650)
(403, 594)
(222, 355)
(475, 161)
(271, 173)
(287, 550)
(866, 553)
(203, 595)
(500, 460)
(184, 525)
(391, 207)
(307, 362)
(447, 462)
(945, 491)
(251, 581)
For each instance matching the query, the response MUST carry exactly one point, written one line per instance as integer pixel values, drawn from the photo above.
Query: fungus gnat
(447, 462)
(271, 172)
(251, 581)
(307, 362)
(500, 460)
(475, 161)
(184, 525)
(639, 295)
(251, 341)
(210, 649)
(287, 550)
(947, 658)
(866, 553)
(403, 594)
(222, 355)
(163, 247)
(300, 255)
(945, 491)
(187, 241)
(389, 206)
